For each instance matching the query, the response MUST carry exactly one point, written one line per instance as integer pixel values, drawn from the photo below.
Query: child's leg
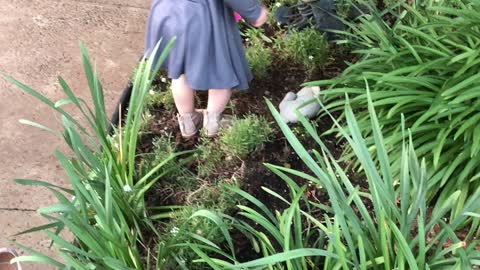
(183, 95)
(217, 101)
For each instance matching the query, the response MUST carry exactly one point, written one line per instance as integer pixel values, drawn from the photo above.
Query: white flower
(151, 92)
(73, 198)
(310, 57)
(163, 80)
(278, 4)
(174, 231)
(247, 39)
(279, 24)
(127, 188)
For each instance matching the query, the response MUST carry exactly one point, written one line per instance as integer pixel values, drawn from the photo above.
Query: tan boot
(212, 122)
(189, 123)
(6, 255)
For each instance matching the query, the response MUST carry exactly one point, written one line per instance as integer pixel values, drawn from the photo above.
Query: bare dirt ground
(38, 42)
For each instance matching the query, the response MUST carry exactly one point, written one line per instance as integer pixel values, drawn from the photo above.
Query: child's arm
(250, 10)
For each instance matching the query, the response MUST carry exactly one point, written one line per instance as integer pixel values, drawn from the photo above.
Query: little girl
(208, 54)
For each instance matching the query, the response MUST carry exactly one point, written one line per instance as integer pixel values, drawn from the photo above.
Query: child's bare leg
(217, 101)
(184, 96)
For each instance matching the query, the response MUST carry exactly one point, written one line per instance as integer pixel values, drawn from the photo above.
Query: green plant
(160, 99)
(245, 136)
(390, 226)
(208, 157)
(307, 47)
(147, 120)
(163, 146)
(252, 34)
(280, 2)
(398, 232)
(423, 67)
(108, 214)
(281, 230)
(272, 9)
(216, 195)
(259, 58)
(183, 229)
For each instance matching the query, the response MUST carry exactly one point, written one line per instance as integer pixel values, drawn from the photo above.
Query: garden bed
(249, 172)
(408, 199)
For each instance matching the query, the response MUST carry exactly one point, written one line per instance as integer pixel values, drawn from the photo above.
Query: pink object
(237, 17)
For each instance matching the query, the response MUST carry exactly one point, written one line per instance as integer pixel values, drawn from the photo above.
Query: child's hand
(262, 19)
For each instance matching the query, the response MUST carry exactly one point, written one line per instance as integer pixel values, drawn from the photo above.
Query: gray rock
(304, 102)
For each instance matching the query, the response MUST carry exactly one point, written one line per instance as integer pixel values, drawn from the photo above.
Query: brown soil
(282, 78)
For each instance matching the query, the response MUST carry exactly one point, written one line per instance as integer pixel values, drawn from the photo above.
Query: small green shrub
(217, 195)
(177, 180)
(307, 47)
(259, 58)
(159, 99)
(184, 227)
(208, 157)
(163, 147)
(246, 135)
(146, 121)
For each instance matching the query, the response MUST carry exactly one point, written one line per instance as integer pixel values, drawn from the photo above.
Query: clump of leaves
(423, 71)
(246, 135)
(160, 99)
(186, 227)
(146, 121)
(259, 58)
(107, 218)
(389, 226)
(259, 55)
(163, 147)
(208, 156)
(216, 195)
(307, 47)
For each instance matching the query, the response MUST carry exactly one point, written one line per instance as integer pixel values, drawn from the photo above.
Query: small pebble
(267, 93)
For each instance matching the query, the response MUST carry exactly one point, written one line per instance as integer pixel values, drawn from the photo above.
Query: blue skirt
(208, 48)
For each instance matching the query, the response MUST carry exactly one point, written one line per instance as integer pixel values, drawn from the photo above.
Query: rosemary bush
(246, 136)
(308, 48)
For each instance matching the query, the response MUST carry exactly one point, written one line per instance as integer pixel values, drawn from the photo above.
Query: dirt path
(38, 42)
